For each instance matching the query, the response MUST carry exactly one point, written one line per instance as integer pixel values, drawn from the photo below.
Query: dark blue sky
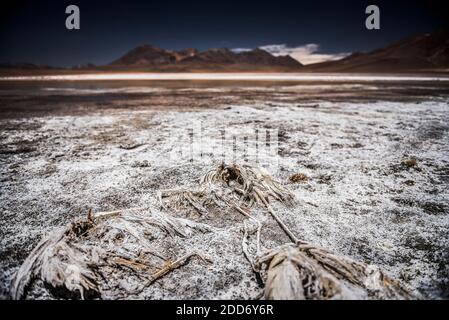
(34, 31)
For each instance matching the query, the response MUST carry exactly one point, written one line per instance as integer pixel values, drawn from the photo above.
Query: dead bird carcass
(127, 244)
(91, 255)
(304, 271)
(296, 270)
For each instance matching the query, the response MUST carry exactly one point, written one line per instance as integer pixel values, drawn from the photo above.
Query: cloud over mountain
(306, 54)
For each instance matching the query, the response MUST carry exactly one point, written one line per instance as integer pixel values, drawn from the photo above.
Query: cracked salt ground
(360, 199)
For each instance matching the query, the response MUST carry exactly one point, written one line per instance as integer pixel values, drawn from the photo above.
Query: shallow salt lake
(228, 76)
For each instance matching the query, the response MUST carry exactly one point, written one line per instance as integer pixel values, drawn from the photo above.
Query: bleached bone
(170, 266)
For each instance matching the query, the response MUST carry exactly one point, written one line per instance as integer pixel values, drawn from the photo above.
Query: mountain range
(147, 56)
(421, 53)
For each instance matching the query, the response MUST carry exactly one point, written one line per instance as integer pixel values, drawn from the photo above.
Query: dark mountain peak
(146, 49)
(220, 50)
(262, 57)
(145, 55)
(259, 50)
(288, 60)
(189, 52)
(214, 56)
(423, 52)
(184, 54)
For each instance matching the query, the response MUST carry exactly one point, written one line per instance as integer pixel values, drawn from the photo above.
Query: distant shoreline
(253, 76)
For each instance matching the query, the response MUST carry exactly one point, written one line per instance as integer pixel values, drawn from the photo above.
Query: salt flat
(376, 158)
